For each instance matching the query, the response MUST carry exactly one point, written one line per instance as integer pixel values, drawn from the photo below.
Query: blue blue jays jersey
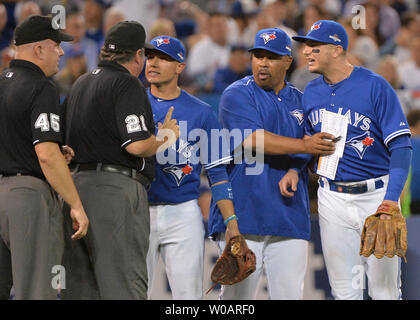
(374, 114)
(178, 180)
(260, 207)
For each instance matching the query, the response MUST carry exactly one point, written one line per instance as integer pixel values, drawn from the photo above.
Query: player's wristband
(222, 191)
(232, 217)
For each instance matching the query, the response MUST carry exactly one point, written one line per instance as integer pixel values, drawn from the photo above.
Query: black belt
(113, 168)
(162, 204)
(357, 188)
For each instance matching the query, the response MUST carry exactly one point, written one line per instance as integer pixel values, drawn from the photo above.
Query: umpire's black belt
(354, 188)
(113, 168)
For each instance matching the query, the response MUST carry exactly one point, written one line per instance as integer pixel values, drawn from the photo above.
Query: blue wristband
(222, 191)
(232, 217)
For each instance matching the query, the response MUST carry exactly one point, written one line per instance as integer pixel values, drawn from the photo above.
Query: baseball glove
(384, 237)
(235, 264)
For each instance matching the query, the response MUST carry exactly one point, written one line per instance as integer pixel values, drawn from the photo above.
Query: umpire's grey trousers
(31, 238)
(110, 262)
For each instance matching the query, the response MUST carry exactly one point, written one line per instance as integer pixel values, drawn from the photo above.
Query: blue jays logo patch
(361, 143)
(298, 114)
(179, 173)
(268, 37)
(161, 41)
(316, 26)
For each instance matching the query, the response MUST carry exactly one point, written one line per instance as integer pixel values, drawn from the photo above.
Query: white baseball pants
(284, 261)
(341, 220)
(177, 234)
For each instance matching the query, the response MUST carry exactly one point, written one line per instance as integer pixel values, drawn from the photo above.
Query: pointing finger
(169, 114)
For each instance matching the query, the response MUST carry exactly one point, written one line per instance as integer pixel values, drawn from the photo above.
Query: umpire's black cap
(126, 36)
(37, 28)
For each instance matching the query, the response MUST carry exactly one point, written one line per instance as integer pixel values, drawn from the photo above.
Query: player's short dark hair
(413, 117)
(120, 57)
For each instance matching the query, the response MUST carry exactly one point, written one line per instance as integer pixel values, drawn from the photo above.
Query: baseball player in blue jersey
(374, 165)
(277, 228)
(177, 230)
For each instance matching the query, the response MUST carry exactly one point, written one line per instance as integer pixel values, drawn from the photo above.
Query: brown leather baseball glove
(384, 237)
(235, 264)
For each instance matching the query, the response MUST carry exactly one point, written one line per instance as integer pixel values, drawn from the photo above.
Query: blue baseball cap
(274, 40)
(326, 31)
(169, 46)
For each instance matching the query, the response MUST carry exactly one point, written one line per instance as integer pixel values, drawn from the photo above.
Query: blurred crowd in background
(217, 34)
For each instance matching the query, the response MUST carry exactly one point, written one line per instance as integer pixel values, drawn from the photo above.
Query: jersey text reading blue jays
(374, 114)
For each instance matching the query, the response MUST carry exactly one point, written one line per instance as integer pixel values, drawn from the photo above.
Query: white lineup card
(335, 124)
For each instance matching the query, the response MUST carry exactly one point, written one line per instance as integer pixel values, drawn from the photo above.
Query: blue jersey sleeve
(237, 111)
(215, 150)
(307, 124)
(391, 117)
(217, 174)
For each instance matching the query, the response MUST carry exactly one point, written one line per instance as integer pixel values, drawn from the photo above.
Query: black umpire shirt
(106, 110)
(29, 114)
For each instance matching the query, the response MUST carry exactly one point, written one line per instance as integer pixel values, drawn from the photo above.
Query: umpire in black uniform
(32, 165)
(109, 124)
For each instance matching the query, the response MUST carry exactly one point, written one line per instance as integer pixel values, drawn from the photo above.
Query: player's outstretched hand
(289, 180)
(320, 143)
(169, 128)
(80, 222)
(68, 153)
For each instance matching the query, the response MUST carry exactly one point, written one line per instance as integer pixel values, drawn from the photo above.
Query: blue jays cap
(326, 31)
(169, 46)
(274, 40)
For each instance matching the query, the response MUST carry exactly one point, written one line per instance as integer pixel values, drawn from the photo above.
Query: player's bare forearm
(227, 209)
(57, 173)
(148, 147)
(273, 144)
